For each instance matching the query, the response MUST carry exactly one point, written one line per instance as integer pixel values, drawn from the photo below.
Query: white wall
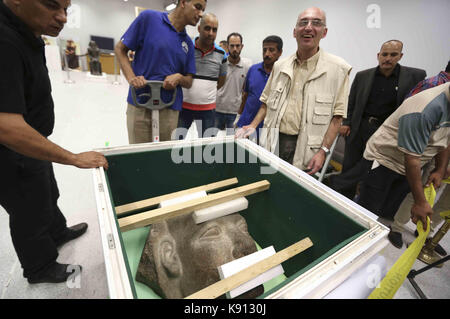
(423, 26)
(107, 18)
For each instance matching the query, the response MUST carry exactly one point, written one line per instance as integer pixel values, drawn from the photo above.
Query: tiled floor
(91, 114)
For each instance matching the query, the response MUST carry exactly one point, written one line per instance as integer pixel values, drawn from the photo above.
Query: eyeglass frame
(314, 22)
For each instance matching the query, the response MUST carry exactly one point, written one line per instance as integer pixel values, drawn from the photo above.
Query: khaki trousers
(403, 214)
(139, 124)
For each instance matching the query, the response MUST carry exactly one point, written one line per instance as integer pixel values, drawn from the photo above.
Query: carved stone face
(181, 257)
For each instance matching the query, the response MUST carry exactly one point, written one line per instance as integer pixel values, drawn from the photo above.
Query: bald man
(304, 99)
(375, 94)
(199, 103)
(28, 189)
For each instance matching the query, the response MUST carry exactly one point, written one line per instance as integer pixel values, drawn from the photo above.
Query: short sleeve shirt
(229, 96)
(290, 122)
(419, 127)
(254, 85)
(24, 82)
(210, 65)
(160, 51)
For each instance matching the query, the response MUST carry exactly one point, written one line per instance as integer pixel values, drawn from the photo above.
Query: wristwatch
(326, 150)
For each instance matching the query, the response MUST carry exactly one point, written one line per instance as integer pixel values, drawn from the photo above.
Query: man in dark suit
(375, 94)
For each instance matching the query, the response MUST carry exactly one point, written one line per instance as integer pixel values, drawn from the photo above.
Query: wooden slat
(219, 288)
(120, 210)
(159, 214)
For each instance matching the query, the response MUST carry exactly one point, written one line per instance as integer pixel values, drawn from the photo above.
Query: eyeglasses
(314, 22)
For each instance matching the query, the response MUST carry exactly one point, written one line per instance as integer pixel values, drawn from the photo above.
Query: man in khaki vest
(305, 98)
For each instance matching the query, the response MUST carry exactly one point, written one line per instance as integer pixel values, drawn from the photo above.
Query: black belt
(288, 137)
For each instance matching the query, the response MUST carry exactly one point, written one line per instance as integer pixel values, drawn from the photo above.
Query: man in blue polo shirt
(256, 81)
(163, 52)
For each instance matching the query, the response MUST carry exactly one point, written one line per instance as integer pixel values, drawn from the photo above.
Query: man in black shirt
(28, 189)
(375, 94)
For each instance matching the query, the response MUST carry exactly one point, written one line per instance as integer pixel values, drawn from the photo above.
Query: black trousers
(287, 146)
(382, 191)
(29, 194)
(353, 168)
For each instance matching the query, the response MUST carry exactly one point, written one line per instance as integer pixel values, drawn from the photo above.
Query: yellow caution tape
(447, 181)
(400, 270)
(430, 194)
(397, 274)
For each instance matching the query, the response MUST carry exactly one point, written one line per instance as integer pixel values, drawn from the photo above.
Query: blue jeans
(203, 119)
(224, 120)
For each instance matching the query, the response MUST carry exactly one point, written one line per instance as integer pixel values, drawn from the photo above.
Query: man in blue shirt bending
(163, 52)
(256, 81)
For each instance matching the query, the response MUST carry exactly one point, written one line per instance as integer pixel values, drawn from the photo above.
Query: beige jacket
(325, 94)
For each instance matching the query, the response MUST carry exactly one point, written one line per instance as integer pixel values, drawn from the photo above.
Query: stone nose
(243, 245)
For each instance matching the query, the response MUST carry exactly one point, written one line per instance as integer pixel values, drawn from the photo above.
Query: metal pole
(413, 273)
(435, 264)
(116, 82)
(68, 80)
(417, 288)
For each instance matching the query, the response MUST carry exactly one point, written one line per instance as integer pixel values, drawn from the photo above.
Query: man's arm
(20, 137)
(173, 80)
(170, 82)
(248, 130)
(259, 117)
(345, 129)
(421, 208)
(121, 51)
(439, 172)
(414, 131)
(221, 81)
(243, 101)
(316, 163)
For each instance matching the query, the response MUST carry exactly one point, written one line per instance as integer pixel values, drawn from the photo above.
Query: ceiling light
(171, 7)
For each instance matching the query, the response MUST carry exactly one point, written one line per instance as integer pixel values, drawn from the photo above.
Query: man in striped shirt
(199, 101)
(441, 78)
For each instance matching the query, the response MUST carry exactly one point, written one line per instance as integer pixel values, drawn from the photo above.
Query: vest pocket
(274, 98)
(321, 115)
(322, 109)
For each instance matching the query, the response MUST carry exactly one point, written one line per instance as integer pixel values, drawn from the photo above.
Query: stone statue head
(181, 257)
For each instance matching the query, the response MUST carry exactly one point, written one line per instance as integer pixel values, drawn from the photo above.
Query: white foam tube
(182, 199)
(216, 211)
(233, 267)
